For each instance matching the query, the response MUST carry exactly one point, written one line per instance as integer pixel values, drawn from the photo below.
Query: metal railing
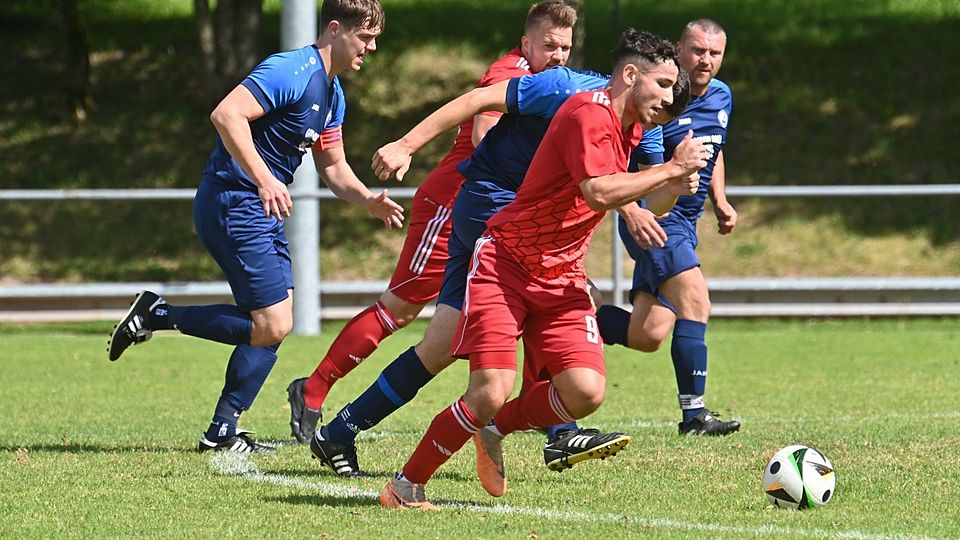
(731, 297)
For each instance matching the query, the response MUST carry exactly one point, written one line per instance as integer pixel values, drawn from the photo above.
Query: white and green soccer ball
(799, 477)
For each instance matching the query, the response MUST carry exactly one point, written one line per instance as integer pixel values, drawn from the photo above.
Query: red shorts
(419, 272)
(504, 302)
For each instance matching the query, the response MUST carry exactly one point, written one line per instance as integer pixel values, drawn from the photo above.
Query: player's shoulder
(719, 89)
(513, 61)
(305, 59)
(595, 103)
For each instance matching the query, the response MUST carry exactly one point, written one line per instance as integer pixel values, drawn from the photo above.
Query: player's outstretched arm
(232, 117)
(726, 214)
(340, 178)
(395, 157)
(677, 175)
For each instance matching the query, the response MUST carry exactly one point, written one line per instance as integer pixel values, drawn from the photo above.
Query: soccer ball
(799, 477)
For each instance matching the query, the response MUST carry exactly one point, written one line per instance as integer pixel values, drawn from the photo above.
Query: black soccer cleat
(706, 422)
(240, 443)
(570, 447)
(132, 328)
(340, 458)
(303, 419)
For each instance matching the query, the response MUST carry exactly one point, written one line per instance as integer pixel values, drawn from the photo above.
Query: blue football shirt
(504, 154)
(299, 102)
(707, 116)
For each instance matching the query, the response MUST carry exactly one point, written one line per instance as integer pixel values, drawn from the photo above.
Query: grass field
(94, 449)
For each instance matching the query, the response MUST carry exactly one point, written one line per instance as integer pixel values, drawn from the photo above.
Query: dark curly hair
(643, 48)
(681, 94)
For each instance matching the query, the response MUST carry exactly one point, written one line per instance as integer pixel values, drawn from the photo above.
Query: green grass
(94, 449)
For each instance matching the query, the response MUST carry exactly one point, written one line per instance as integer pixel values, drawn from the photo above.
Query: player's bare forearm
(661, 200)
(454, 113)
(615, 190)
(718, 183)
(340, 178)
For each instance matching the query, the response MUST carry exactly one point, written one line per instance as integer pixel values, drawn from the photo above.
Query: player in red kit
(527, 278)
(546, 43)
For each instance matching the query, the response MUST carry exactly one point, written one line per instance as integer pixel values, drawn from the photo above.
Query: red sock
(449, 431)
(358, 339)
(538, 407)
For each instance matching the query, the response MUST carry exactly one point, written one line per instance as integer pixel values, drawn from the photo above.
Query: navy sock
(247, 370)
(223, 323)
(614, 322)
(689, 352)
(224, 423)
(552, 430)
(397, 384)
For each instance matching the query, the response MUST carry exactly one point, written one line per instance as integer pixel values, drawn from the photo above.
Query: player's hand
(726, 217)
(690, 155)
(386, 210)
(642, 226)
(392, 158)
(275, 198)
(684, 185)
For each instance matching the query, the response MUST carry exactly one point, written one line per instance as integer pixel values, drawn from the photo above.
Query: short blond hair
(556, 13)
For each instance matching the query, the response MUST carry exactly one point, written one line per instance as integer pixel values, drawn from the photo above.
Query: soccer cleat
(240, 443)
(706, 422)
(405, 495)
(571, 447)
(132, 328)
(340, 458)
(490, 469)
(303, 419)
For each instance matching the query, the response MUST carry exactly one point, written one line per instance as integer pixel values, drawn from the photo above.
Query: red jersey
(443, 182)
(547, 228)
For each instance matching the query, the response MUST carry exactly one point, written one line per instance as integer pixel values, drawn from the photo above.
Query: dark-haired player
(527, 277)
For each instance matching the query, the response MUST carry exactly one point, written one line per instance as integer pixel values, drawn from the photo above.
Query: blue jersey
(504, 154)
(300, 103)
(707, 116)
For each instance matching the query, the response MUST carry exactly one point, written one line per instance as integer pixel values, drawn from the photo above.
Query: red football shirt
(548, 227)
(443, 182)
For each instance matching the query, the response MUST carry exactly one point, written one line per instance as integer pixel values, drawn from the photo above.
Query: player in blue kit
(291, 103)
(493, 174)
(669, 290)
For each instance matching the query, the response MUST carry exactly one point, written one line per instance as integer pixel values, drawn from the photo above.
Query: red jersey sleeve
(590, 147)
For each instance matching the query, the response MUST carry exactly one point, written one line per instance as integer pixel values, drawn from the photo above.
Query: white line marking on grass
(657, 424)
(233, 464)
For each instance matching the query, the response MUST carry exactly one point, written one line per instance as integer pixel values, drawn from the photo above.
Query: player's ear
(630, 74)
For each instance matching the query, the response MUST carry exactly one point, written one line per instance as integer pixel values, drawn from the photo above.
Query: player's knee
(271, 332)
(485, 402)
(583, 401)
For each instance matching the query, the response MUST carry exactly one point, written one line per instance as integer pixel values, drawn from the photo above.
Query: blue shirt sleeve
(279, 80)
(543, 93)
(649, 151)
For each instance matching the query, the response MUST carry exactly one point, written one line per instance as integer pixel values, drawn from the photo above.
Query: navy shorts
(251, 248)
(474, 205)
(654, 266)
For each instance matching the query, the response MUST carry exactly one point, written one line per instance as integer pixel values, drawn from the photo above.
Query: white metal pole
(298, 27)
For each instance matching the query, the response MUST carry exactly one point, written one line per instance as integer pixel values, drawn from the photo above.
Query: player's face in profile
(546, 46)
(355, 44)
(701, 54)
(652, 92)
